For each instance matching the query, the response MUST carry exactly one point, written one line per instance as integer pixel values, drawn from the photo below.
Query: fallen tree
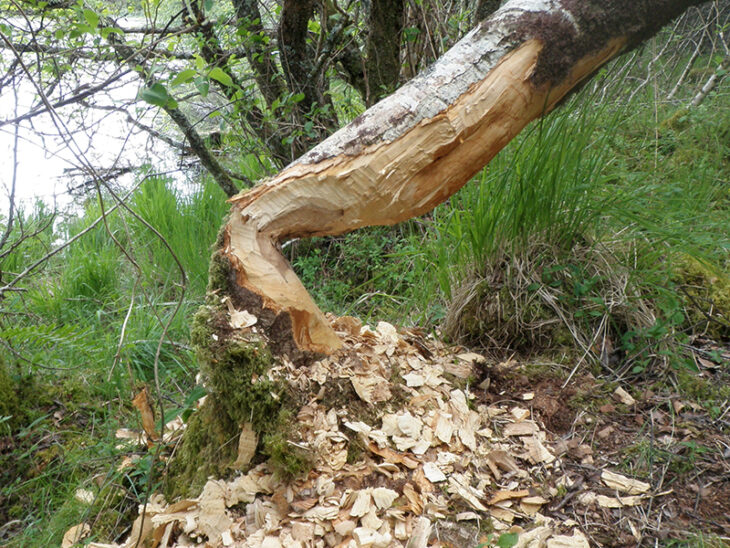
(399, 159)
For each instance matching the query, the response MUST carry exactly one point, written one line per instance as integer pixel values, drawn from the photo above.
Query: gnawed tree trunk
(401, 158)
(417, 147)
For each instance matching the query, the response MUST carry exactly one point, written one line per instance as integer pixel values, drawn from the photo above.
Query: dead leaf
(142, 402)
(75, 535)
(499, 460)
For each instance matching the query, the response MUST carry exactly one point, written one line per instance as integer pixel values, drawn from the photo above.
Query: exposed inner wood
(386, 183)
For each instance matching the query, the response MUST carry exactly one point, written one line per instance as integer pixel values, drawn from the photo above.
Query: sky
(44, 159)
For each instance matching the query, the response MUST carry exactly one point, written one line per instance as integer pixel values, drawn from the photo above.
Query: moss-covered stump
(236, 365)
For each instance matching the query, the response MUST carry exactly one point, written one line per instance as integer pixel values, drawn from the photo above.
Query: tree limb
(414, 149)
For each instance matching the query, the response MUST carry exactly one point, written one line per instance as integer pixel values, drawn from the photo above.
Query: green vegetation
(601, 233)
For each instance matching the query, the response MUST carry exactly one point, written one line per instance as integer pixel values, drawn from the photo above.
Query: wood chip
(576, 540)
(393, 456)
(467, 516)
(362, 503)
(444, 427)
(247, 442)
(384, 497)
(520, 414)
(503, 495)
(469, 494)
(471, 357)
(421, 533)
(526, 428)
(433, 473)
(240, 319)
(415, 500)
(409, 425)
(414, 380)
(371, 388)
(84, 496)
(624, 484)
(537, 450)
(624, 397)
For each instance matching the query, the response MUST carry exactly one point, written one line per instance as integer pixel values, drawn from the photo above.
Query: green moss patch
(706, 295)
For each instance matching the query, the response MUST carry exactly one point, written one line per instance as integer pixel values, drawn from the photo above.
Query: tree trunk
(382, 63)
(414, 149)
(399, 159)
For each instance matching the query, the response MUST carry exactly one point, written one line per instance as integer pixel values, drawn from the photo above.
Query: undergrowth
(600, 233)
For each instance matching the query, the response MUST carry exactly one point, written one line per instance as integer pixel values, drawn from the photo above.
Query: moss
(219, 270)
(678, 121)
(9, 401)
(706, 392)
(287, 460)
(707, 297)
(208, 448)
(235, 367)
(112, 512)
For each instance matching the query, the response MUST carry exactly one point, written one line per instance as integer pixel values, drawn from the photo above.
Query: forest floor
(417, 444)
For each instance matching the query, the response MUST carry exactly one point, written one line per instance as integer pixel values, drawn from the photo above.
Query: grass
(600, 233)
(66, 358)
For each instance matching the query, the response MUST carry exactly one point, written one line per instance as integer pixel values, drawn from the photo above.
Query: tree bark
(485, 8)
(382, 64)
(414, 149)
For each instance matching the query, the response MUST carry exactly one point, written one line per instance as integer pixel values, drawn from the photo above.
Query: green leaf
(216, 73)
(91, 18)
(156, 94)
(297, 97)
(203, 86)
(411, 33)
(183, 77)
(507, 540)
(106, 31)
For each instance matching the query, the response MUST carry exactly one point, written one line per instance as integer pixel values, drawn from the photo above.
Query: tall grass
(548, 185)
(579, 234)
(63, 338)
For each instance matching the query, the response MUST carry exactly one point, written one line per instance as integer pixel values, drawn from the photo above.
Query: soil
(669, 442)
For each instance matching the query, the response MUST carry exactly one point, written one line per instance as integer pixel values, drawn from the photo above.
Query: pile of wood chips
(436, 469)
